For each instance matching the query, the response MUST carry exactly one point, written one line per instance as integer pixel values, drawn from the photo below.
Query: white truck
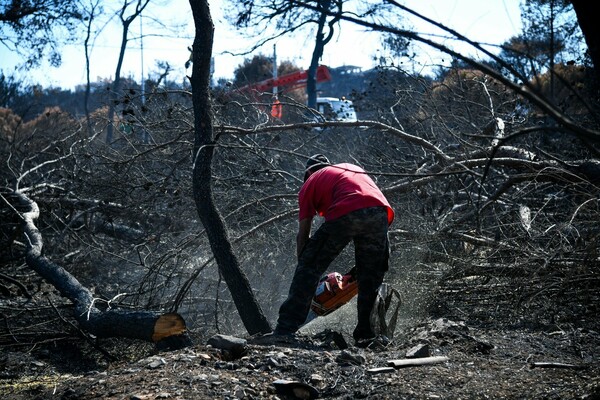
(336, 109)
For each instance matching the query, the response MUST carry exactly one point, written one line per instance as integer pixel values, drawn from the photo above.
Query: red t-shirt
(337, 190)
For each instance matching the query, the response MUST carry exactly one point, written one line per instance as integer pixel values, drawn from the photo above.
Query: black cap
(315, 163)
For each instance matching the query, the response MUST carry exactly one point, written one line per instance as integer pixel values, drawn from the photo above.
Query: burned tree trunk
(143, 325)
(237, 282)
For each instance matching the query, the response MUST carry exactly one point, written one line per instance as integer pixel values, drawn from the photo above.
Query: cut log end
(168, 325)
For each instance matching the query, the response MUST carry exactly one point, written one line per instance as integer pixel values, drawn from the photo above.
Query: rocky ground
(479, 364)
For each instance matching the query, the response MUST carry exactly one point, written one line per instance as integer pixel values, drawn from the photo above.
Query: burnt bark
(237, 282)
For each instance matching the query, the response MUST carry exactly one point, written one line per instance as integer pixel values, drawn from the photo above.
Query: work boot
(282, 332)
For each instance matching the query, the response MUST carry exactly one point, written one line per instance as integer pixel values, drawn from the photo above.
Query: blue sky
(491, 21)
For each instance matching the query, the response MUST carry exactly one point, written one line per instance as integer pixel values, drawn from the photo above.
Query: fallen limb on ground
(556, 365)
(168, 330)
(415, 362)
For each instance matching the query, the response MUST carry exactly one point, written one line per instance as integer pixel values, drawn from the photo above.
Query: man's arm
(303, 234)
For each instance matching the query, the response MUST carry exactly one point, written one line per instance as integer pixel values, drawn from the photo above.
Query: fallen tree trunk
(249, 310)
(151, 326)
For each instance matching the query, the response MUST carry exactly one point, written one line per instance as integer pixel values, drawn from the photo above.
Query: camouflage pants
(368, 229)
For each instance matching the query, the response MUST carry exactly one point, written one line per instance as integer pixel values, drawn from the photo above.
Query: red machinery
(290, 81)
(334, 291)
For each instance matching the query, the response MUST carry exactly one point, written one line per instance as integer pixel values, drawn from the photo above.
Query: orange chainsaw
(334, 290)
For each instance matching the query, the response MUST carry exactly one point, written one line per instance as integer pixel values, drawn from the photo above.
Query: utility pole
(276, 108)
(275, 69)
(145, 136)
(142, 59)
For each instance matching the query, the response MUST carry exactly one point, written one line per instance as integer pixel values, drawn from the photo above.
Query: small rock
(236, 347)
(239, 392)
(317, 380)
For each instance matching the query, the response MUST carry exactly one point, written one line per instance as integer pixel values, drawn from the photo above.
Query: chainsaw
(334, 290)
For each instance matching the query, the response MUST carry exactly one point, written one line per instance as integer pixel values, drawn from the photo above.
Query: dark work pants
(368, 229)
